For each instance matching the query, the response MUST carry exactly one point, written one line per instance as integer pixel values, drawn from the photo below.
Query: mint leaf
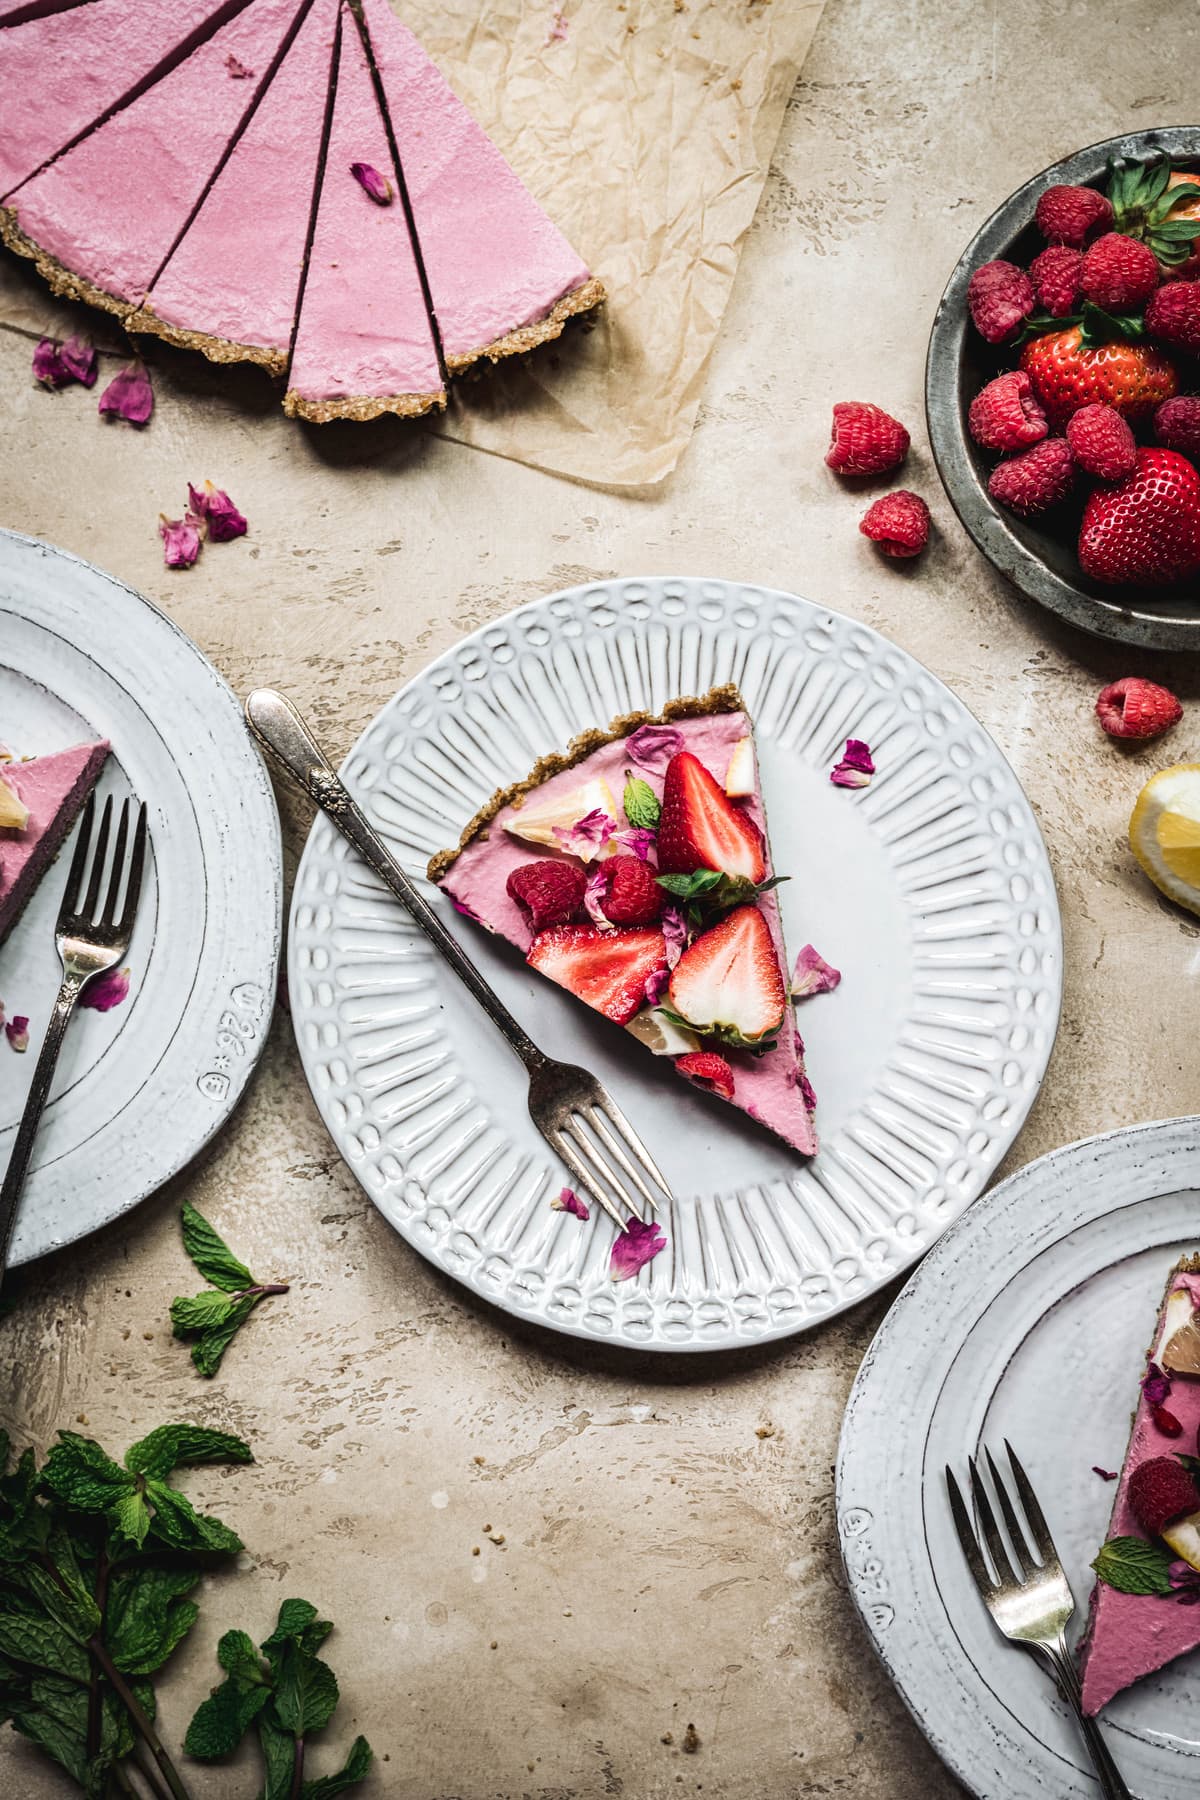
(279, 1755)
(222, 1721)
(237, 1656)
(131, 1517)
(211, 1347)
(148, 1614)
(55, 1719)
(40, 1641)
(83, 1475)
(352, 1771)
(641, 803)
(298, 1623)
(175, 1446)
(201, 1313)
(1133, 1566)
(177, 1523)
(211, 1254)
(306, 1691)
(688, 887)
(66, 1600)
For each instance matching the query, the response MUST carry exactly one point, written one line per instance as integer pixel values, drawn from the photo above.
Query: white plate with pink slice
(929, 889)
(1031, 1321)
(141, 1088)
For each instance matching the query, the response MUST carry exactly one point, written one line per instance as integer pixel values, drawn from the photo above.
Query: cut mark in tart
(50, 790)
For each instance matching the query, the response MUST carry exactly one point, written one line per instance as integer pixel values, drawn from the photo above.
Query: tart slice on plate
(635, 871)
(39, 801)
(1145, 1606)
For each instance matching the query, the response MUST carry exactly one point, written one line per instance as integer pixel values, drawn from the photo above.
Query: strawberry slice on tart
(634, 870)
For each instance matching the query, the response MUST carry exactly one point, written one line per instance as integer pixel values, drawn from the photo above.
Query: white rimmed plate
(1028, 1321)
(930, 890)
(141, 1089)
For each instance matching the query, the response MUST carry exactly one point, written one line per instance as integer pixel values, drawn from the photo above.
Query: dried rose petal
(856, 767)
(638, 841)
(129, 395)
(1155, 1385)
(48, 365)
(1186, 1583)
(569, 1201)
(653, 746)
(181, 541)
(373, 183)
(558, 27)
(808, 1092)
(587, 835)
(79, 359)
(216, 508)
(16, 1030)
(107, 991)
(237, 70)
(813, 975)
(595, 890)
(655, 986)
(637, 1245)
(1105, 1474)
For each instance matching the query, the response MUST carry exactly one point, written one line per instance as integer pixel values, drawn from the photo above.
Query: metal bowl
(1038, 555)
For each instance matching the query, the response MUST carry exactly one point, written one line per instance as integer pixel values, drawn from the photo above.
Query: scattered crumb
(764, 1431)
(149, 1336)
(487, 1531)
(668, 1737)
(566, 1612)
(691, 1741)
(478, 1461)
(125, 1331)
(493, 1645)
(736, 85)
(497, 1537)
(81, 1418)
(475, 1551)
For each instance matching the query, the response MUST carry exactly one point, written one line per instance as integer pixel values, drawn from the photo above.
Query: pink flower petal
(594, 892)
(129, 395)
(639, 842)
(217, 509)
(106, 991)
(16, 1030)
(568, 1201)
(48, 365)
(675, 933)
(1105, 1474)
(856, 767)
(655, 986)
(558, 27)
(808, 1093)
(373, 183)
(79, 359)
(590, 833)
(1156, 1385)
(181, 541)
(634, 1247)
(653, 746)
(813, 975)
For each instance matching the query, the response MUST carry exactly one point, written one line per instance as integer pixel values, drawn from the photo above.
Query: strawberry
(1158, 204)
(548, 892)
(1135, 708)
(1184, 210)
(1118, 272)
(707, 1070)
(632, 895)
(1161, 1490)
(1070, 215)
(700, 827)
(1174, 315)
(1177, 424)
(728, 984)
(999, 298)
(898, 523)
(1102, 442)
(865, 439)
(605, 969)
(1055, 278)
(1005, 415)
(1148, 528)
(1071, 368)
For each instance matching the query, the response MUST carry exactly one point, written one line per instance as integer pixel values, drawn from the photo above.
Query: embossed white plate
(930, 890)
(141, 1089)
(1028, 1321)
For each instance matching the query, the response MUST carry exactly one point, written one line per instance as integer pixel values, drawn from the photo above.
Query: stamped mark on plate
(865, 1568)
(237, 1029)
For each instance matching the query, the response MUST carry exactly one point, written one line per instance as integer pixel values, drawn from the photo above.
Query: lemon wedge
(739, 777)
(1164, 833)
(14, 814)
(541, 824)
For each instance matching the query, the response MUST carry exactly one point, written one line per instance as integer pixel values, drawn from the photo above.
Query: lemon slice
(14, 814)
(1164, 833)
(541, 824)
(739, 777)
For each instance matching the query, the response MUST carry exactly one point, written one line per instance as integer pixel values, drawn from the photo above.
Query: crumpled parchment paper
(645, 128)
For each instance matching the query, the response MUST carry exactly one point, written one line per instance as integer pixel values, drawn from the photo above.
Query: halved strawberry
(701, 827)
(605, 969)
(728, 983)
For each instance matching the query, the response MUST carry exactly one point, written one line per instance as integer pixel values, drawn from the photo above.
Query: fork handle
(279, 727)
(35, 1105)
(1112, 1784)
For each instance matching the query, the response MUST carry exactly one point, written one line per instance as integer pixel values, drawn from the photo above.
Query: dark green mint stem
(142, 1724)
(261, 1288)
(297, 1771)
(93, 1718)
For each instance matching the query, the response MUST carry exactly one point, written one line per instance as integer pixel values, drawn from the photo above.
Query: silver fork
(1030, 1600)
(576, 1115)
(89, 943)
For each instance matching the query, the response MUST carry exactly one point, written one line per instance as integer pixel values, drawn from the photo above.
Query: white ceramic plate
(140, 1089)
(1028, 1321)
(930, 890)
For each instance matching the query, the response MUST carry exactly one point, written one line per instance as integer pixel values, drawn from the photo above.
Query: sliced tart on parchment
(1145, 1606)
(364, 344)
(635, 871)
(39, 801)
(231, 284)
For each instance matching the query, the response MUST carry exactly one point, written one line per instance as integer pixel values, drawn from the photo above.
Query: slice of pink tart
(364, 345)
(61, 73)
(634, 870)
(231, 285)
(103, 218)
(501, 276)
(1145, 1606)
(39, 801)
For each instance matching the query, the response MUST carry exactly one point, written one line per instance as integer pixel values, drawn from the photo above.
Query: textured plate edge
(446, 658)
(257, 772)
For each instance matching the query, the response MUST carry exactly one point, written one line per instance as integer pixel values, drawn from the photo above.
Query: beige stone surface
(662, 1563)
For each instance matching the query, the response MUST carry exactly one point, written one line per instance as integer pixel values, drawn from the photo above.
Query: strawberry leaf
(1101, 327)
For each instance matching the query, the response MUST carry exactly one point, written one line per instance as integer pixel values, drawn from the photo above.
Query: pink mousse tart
(1145, 1607)
(634, 870)
(39, 801)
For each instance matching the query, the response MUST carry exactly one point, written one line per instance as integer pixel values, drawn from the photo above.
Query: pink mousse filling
(1131, 1635)
(766, 1087)
(53, 788)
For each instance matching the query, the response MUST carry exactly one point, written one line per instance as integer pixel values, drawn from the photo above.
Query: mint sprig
(1133, 1566)
(641, 803)
(706, 893)
(214, 1317)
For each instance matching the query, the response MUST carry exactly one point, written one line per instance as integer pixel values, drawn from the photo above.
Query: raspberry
(633, 896)
(1134, 708)
(1055, 278)
(1174, 315)
(1006, 414)
(999, 296)
(865, 440)
(1118, 272)
(1070, 215)
(1034, 480)
(1177, 424)
(898, 523)
(709, 1070)
(549, 892)
(1161, 1490)
(1101, 442)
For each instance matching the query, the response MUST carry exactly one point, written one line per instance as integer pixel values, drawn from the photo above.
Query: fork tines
(81, 896)
(606, 1156)
(1013, 1563)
